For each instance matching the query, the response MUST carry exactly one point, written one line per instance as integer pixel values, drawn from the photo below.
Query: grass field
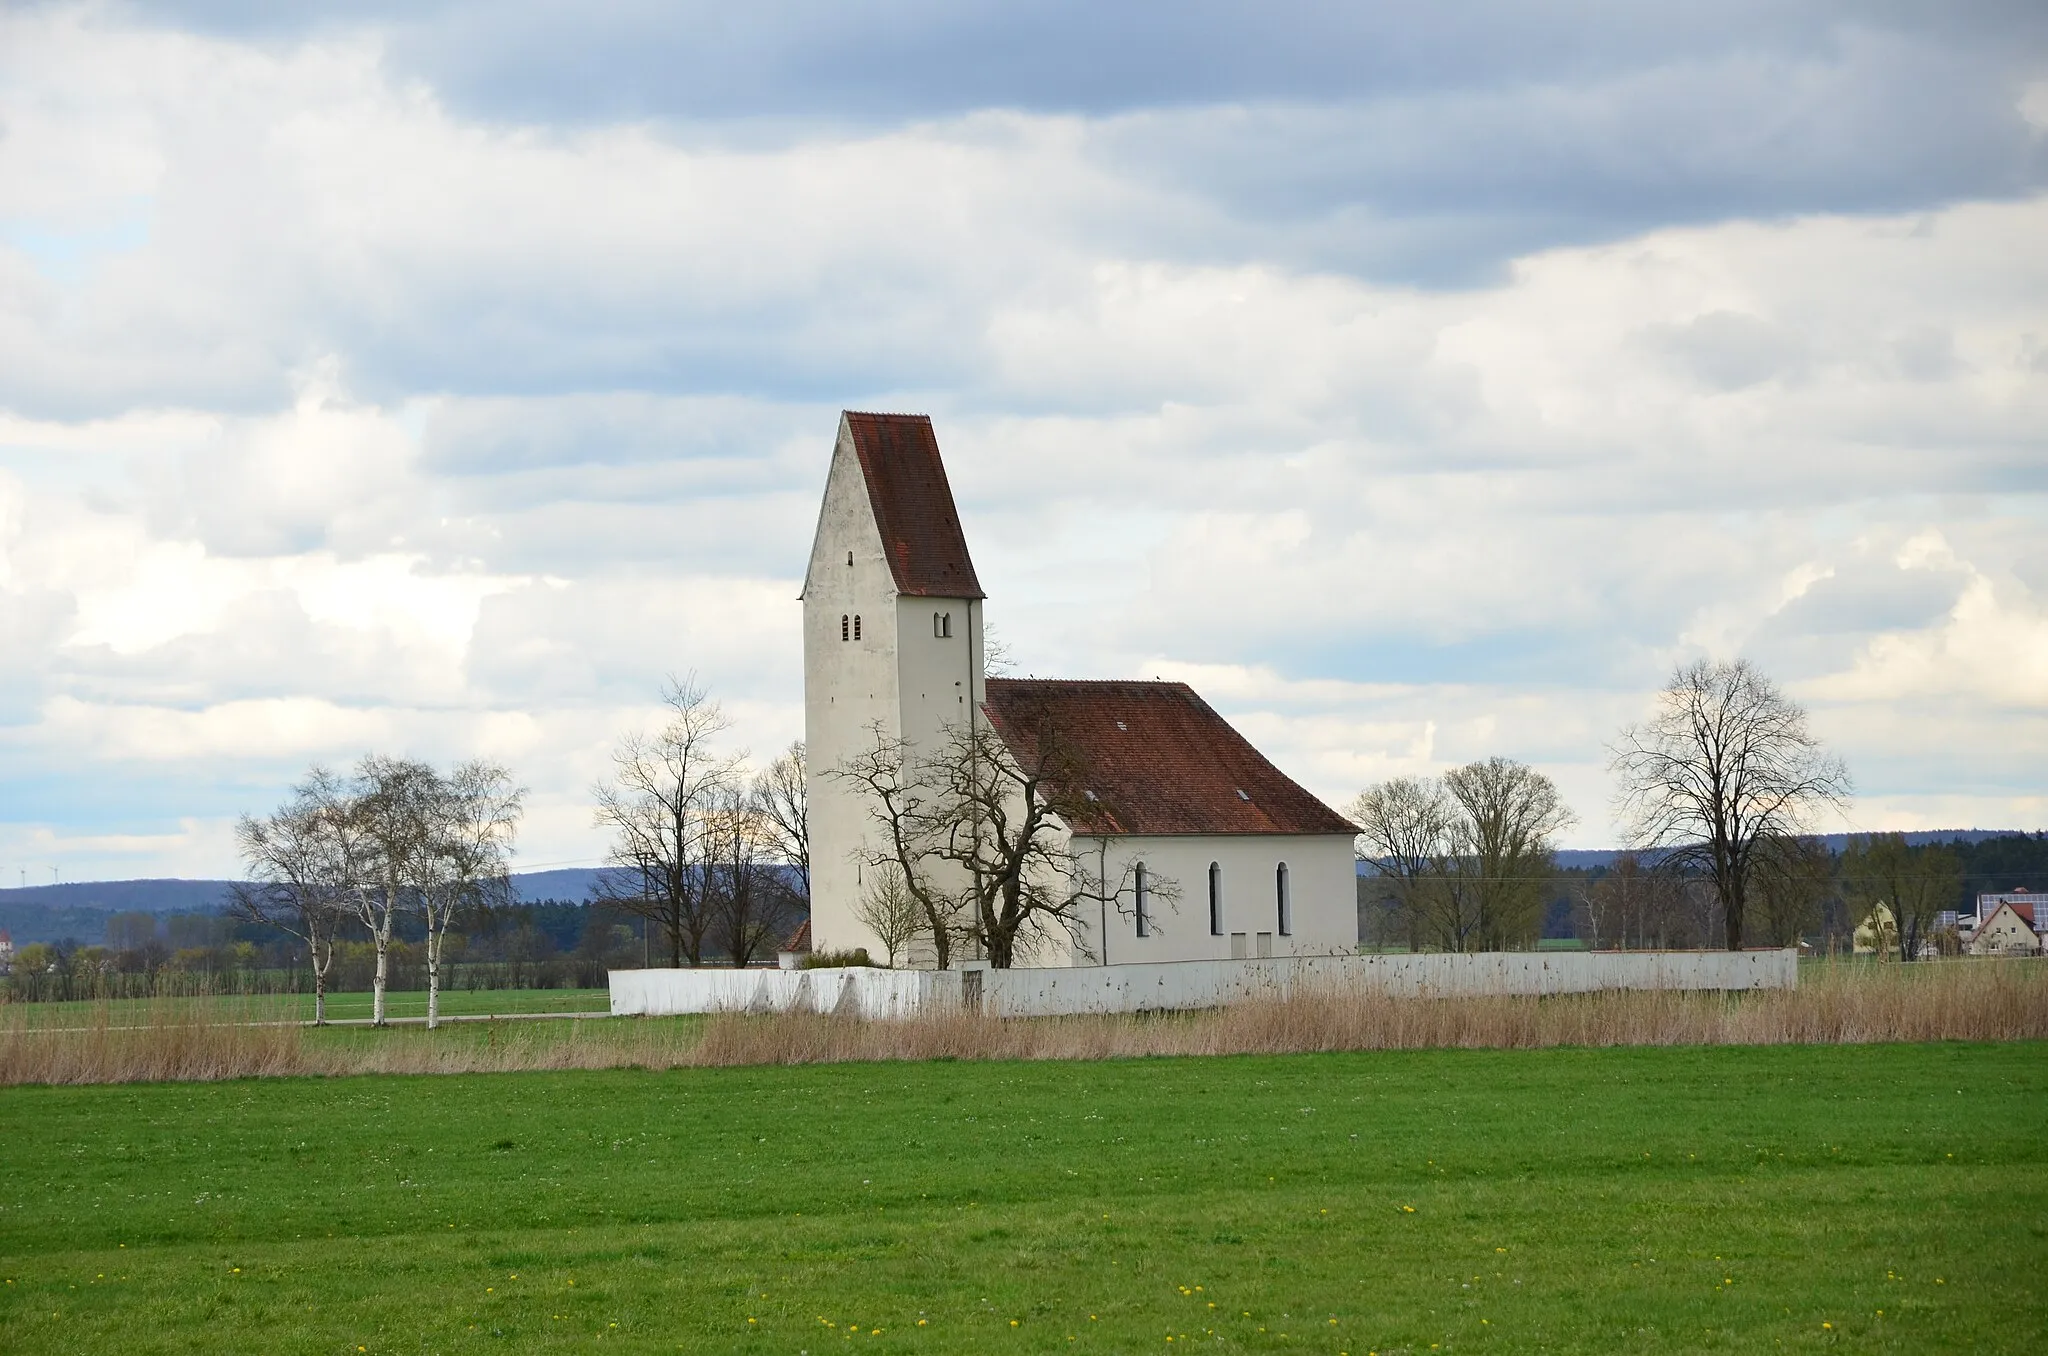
(1645, 1199)
(340, 1006)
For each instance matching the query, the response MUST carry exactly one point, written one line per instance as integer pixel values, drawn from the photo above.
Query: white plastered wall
(1322, 889)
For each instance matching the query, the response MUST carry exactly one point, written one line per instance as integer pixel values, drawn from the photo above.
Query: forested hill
(41, 913)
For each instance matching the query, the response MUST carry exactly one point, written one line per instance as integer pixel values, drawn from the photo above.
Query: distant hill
(49, 913)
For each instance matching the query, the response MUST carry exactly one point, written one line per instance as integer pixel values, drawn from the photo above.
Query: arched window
(942, 625)
(843, 630)
(849, 557)
(856, 626)
(1285, 905)
(1215, 899)
(1143, 895)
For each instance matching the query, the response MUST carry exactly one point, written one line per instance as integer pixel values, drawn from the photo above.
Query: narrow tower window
(849, 557)
(1284, 904)
(1144, 903)
(856, 626)
(843, 632)
(1215, 900)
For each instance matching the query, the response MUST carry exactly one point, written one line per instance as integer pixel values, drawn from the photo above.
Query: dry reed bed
(1842, 1004)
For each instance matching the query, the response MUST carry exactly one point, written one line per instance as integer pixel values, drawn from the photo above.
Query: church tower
(892, 637)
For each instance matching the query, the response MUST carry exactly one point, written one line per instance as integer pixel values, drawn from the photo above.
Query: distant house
(1878, 933)
(1988, 904)
(2011, 930)
(6, 953)
(790, 955)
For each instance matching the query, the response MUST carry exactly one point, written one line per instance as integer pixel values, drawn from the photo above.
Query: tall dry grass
(1834, 1004)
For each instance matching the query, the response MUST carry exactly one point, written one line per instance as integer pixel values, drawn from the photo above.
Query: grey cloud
(493, 436)
(574, 59)
(1413, 142)
(1727, 350)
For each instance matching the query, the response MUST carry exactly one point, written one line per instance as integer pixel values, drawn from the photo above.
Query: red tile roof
(1159, 760)
(913, 505)
(2025, 911)
(800, 940)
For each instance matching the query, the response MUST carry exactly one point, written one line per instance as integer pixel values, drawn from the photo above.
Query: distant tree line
(545, 944)
(1719, 792)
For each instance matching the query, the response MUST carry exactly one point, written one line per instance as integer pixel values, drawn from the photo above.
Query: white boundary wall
(1183, 985)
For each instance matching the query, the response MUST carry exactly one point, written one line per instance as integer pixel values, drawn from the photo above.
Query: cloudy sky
(1419, 381)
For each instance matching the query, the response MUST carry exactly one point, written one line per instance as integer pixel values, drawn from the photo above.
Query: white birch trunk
(320, 967)
(434, 936)
(382, 933)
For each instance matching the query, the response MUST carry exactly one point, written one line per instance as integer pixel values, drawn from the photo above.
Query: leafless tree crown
(1726, 763)
(1465, 859)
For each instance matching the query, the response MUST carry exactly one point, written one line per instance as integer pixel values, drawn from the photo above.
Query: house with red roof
(2013, 929)
(1199, 847)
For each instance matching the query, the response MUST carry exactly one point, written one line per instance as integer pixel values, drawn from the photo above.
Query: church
(1229, 857)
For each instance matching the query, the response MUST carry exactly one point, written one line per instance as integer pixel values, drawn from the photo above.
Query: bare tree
(1468, 858)
(655, 806)
(1503, 847)
(749, 900)
(1006, 806)
(1795, 877)
(465, 860)
(1630, 898)
(887, 909)
(1405, 838)
(297, 878)
(1916, 882)
(781, 798)
(1725, 763)
(905, 807)
(387, 815)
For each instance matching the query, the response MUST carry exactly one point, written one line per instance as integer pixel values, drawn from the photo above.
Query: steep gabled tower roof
(913, 505)
(1159, 759)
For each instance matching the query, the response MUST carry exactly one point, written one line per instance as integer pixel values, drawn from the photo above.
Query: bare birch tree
(1629, 898)
(388, 809)
(465, 861)
(655, 805)
(1725, 763)
(297, 876)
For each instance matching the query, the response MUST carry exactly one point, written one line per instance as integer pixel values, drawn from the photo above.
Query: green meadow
(1643, 1199)
(352, 1006)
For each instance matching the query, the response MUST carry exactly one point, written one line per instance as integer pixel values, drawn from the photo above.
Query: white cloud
(398, 429)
